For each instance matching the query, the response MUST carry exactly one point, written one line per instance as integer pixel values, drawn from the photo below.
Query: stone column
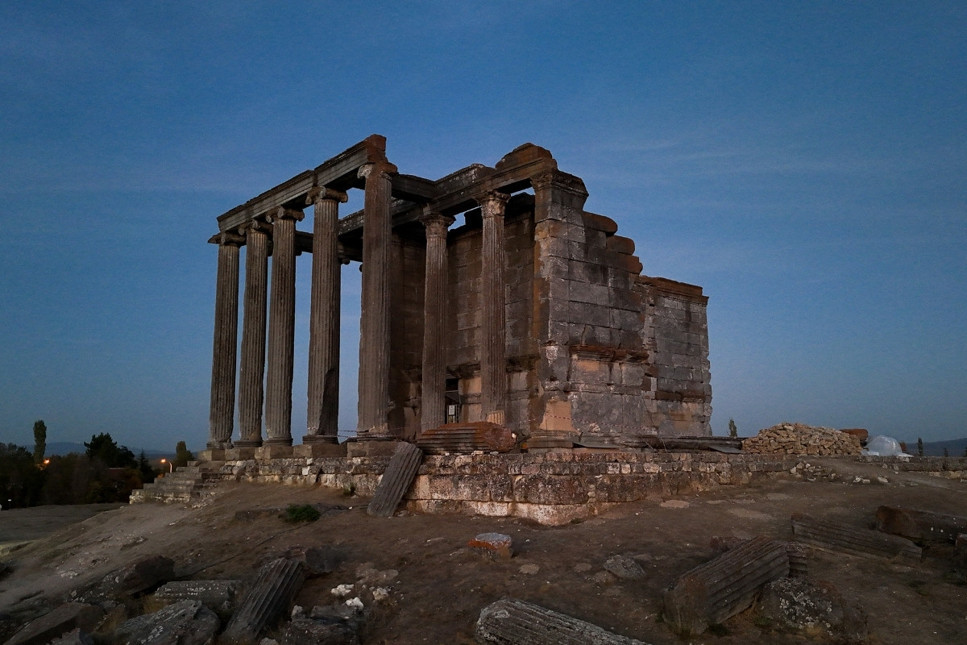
(323, 392)
(252, 370)
(222, 410)
(374, 324)
(433, 403)
(278, 401)
(493, 363)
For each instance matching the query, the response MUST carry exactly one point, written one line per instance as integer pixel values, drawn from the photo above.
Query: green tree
(40, 441)
(919, 446)
(733, 431)
(147, 472)
(104, 451)
(182, 455)
(21, 482)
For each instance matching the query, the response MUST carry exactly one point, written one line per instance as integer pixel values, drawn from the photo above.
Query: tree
(919, 446)
(147, 472)
(946, 452)
(182, 455)
(21, 482)
(40, 441)
(102, 449)
(733, 431)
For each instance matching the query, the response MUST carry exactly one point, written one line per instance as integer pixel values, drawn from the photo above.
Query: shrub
(300, 513)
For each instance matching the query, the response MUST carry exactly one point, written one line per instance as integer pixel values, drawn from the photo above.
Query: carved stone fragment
(269, 597)
(838, 537)
(217, 595)
(515, 622)
(920, 525)
(187, 622)
(466, 438)
(721, 588)
(61, 620)
(397, 479)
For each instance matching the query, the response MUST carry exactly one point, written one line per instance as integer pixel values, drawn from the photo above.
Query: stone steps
(181, 486)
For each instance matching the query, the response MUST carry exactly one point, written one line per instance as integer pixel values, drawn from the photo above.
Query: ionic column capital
(436, 224)
(254, 226)
(384, 168)
(322, 193)
(492, 203)
(283, 213)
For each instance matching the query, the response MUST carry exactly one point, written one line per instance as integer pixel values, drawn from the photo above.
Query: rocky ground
(419, 582)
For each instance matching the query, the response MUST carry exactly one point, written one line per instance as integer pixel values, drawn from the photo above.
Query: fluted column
(252, 370)
(222, 410)
(374, 324)
(323, 391)
(278, 403)
(493, 368)
(433, 403)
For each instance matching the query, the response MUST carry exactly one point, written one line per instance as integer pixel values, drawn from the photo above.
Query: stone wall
(676, 328)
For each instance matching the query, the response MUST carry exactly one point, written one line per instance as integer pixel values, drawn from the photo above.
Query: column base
(240, 453)
(212, 454)
(278, 441)
(274, 451)
(319, 449)
(248, 443)
(320, 438)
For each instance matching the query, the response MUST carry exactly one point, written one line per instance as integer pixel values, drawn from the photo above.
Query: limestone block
(187, 622)
(60, 621)
(217, 595)
(494, 545)
(270, 597)
(144, 574)
(515, 622)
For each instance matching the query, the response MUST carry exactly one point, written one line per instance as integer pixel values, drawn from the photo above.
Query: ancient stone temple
(487, 295)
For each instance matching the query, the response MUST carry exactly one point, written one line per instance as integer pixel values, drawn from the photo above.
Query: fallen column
(835, 536)
(920, 525)
(396, 480)
(466, 438)
(725, 586)
(515, 622)
(277, 584)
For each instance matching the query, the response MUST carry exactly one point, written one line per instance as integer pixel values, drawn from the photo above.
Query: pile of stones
(800, 439)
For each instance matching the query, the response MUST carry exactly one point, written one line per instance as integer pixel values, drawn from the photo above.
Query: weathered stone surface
(466, 438)
(515, 622)
(268, 598)
(396, 480)
(800, 439)
(306, 631)
(624, 567)
(813, 609)
(63, 619)
(74, 637)
(145, 574)
(920, 525)
(217, 595)
(838, 537)
(495, 545)
(187, 622)
(721, 588)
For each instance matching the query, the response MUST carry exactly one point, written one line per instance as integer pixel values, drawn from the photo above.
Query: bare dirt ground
(440, 585)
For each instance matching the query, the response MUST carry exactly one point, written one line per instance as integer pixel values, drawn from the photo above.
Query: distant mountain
(955, 447)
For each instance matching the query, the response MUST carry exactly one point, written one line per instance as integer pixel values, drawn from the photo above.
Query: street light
(171, 466)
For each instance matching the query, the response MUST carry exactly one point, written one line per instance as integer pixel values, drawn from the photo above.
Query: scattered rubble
(496, 545)
(624, 567)
(186, 622)
(814, 609)
(800, 439)
(515, 622)
(60, 621)
(217, 595)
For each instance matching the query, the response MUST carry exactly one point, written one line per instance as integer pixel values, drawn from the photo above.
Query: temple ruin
(489, 295)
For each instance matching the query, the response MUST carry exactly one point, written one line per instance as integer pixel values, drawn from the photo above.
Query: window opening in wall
(453, 400)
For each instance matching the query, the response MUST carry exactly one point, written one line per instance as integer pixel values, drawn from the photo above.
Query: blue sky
(804, 162)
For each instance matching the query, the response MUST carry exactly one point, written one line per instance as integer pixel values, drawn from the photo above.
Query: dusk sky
(805, 163)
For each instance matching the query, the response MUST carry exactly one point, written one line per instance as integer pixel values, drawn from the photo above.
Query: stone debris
(143, 575)
(306, 631)
(61, 620)
(920, 525)
(217, 595)
(674, 503)
(341, 591)
(839, 537)
(466, 438)
(318, 560)
(530, 569)
(515, 622)
(74, 637)
(187, 622)
(725, 586)
(816, 610)
(624, 567)
(397, 479)
(496, 545)
(800, 439)
(269, 597)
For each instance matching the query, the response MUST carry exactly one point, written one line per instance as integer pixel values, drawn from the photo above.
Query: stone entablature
(487, 295)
